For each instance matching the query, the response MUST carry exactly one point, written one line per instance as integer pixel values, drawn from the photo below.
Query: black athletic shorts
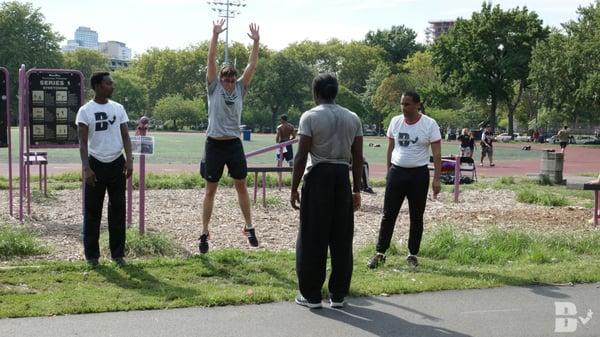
(563, 144)
(217, 154)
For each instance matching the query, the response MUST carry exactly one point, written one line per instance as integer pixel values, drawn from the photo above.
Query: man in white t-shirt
(409, 137)
(103, 135)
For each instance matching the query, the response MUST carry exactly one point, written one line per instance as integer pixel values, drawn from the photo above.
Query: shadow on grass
(140, 280)
(234, 269)
(540, 288)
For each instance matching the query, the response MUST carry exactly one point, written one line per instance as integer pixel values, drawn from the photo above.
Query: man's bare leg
(207, 205)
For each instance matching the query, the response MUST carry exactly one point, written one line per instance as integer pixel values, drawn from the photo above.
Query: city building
(87, 38)
(115, 50)
(118, 53)
(437, 28)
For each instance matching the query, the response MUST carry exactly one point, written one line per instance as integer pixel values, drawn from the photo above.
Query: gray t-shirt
(224, 110)
(332, 129)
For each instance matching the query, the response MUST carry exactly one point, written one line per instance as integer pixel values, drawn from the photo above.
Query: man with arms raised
(223, 145)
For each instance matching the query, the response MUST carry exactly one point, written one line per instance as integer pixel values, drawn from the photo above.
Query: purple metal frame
(141, 130)
(24, 146)
(279, 147)
(8, 140)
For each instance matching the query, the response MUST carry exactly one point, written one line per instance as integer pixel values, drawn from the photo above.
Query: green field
(188, 147)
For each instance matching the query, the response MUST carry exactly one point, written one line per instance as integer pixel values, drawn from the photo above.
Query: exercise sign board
(4, 115)
(142, 145)
(54, 99)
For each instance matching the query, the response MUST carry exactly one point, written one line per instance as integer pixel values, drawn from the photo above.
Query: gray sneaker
(304, 302)
(377, 260)
(412, 261)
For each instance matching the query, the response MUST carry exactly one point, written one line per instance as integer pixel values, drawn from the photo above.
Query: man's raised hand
(218, 26)
(254, 34)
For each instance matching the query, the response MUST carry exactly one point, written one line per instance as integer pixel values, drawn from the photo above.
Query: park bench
(264, 170)
(596, 189)
(576, 183)
(40, 159)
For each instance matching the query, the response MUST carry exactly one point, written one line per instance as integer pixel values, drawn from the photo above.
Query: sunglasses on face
(228, 80)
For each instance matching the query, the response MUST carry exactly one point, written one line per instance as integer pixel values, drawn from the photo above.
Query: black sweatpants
(326, 221)
(109, 177)
(413, 184)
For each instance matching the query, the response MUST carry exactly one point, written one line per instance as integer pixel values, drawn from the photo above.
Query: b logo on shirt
(404, 139)
(102, 121)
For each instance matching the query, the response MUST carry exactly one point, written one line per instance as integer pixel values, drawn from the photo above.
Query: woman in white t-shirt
(409, 137)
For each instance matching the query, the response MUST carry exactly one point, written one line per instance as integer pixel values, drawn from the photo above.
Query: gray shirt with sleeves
(332, 129)
(224, 110)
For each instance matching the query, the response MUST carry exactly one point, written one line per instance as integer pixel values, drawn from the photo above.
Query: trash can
(552, 166)
(246, 134)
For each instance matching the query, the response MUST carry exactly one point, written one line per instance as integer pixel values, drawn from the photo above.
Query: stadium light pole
(227, 9)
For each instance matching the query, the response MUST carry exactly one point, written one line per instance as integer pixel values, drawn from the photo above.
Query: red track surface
(578, 160)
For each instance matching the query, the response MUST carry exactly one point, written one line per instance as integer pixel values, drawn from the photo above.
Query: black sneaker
(92, 262)
(368, 190)
(119, 261)
(203, 243)
(412, 261)
(250, 234)
(336, 302)
(376, 260)
(304, 302)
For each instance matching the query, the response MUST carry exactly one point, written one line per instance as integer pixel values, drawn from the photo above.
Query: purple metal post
(8, 140)
(456, 178)
(141, 131)
(597, 208)
(22, 98)
(129, 199)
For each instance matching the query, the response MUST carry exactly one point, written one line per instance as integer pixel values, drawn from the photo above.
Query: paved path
(501, 312)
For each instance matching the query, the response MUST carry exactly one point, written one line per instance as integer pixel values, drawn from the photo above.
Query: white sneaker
(336, 304)
(304, 302)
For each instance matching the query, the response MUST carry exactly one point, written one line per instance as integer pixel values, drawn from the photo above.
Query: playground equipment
(259, 169)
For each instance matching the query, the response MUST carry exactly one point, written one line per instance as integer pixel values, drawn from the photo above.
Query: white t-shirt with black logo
(104, 129)
(412, 141)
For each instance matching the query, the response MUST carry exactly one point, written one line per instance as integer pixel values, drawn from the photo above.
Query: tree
(131, 91)
(376, 77)
(484, 56)
(398, 42)
(170, 72)
(181, 111)
(351, 101)
(388, 96)
(424, 75)
(565, 69)
(279, 83)
(87, 61)
(25, 38)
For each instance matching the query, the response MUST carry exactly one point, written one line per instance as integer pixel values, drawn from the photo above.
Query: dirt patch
(177, 213)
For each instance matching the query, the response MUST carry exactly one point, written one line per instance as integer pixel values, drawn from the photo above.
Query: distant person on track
(487, 146)
(285, 132)
(563, 138)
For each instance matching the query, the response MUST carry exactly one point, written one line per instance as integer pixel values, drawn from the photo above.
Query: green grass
(151, 244)
(543, 198)
(188, 147)
(449, 260)
(19, 242)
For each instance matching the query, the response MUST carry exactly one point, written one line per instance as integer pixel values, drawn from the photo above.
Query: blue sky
(142, 24)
